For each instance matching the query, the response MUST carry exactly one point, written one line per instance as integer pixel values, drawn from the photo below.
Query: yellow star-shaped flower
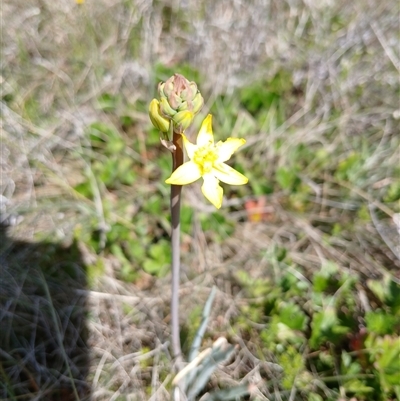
(207, 160)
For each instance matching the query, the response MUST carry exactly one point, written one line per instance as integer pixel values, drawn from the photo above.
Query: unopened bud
(156, 118)
(183, 106)
(194, 89)
(174, 100)
(180, 101)
(198, 103)
(165, 108)
(183, 119)
(160, 89)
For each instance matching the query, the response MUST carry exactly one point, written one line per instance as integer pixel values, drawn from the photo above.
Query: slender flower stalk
(176, 190)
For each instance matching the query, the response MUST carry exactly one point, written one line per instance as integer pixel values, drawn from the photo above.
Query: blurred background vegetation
(305, 257)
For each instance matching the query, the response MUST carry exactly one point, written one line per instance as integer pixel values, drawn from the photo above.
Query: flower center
(205, 158)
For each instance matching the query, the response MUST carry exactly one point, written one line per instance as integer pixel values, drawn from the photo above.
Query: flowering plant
(172, 114)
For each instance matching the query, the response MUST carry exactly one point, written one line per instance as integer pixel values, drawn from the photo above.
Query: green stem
(177, 160)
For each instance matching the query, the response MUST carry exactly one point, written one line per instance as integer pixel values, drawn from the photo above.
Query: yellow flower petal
(185, 174)
(228, 175)
(228, 147)
(206, 136)
(212, 190)
(190, 148)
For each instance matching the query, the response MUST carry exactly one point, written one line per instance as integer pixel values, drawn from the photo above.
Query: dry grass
(58, 58)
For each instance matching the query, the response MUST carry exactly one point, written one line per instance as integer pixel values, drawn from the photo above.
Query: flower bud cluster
(180, 101)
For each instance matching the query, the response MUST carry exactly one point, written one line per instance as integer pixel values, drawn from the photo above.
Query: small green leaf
(357, 387)
(349, 168)
(286, 178)
(291, 315)
(159, 258)
(393, 192)
(85, 189)
(380, 323)
(325, 277)
(125, 172)
(127, 272)
(152, 266)
(107, 102)
(292, 363)
(314, 397)
(325, 326)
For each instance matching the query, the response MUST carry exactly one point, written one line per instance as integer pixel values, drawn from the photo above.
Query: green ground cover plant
(305, 257)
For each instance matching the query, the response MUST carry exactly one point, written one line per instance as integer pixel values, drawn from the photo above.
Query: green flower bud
(166, 109)
(180, 101)
(183, 119)
(161, 86)
(194, 89)
(168, 87)
(156, 118)
(198, 103)
(183, 106)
